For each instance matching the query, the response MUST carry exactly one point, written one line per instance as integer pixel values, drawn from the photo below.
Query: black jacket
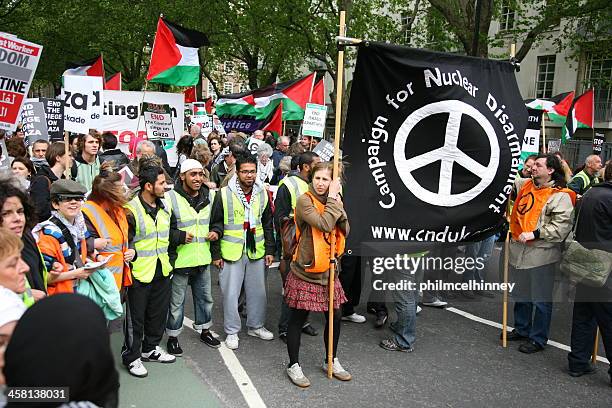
(39, 192)
(150, 212)
(594, 224)
(31, 255)
(177, 237)
(216, 225)
(115, 155)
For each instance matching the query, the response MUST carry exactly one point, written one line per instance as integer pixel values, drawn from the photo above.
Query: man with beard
(242, 217)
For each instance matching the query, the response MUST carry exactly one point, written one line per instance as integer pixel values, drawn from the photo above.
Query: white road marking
(242, 379)
(499, 326)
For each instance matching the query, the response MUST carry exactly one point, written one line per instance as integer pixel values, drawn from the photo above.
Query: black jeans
(146, 313)
(297, 318)
(587, 316)
(350, 278)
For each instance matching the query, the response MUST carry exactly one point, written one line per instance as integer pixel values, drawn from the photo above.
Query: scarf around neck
(249, 213)
(77, 230)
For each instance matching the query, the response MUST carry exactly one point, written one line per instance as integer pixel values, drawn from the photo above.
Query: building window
(228, 88)
(599, 77)
(545, 76)
(228, 67)
(405, 21)
(210, 93)
(244, 87)
(507, 17)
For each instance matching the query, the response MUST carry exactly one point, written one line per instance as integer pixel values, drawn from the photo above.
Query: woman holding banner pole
(319, 214)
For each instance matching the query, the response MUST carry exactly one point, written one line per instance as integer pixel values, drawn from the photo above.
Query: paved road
(457, 362)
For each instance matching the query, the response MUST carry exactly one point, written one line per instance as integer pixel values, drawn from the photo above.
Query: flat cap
(67, 188)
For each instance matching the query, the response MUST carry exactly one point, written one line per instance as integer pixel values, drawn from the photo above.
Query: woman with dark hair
(183, 149)
(318, 214)
(23, 169)
(214, 144)
(567, 171)
(107, 224)
(18, 215)
(15, 147)
(63, 341)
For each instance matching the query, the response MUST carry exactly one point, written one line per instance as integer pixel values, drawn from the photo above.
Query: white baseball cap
(191, 164)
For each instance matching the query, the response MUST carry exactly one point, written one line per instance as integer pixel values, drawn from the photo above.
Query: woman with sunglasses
(63, 238)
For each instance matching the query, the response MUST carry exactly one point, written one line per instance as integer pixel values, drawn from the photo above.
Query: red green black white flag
(580, 115)
(556, 107)
(90, 67)
(174, 60)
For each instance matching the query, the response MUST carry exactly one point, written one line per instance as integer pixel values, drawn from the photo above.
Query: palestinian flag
(580, 115)
(174, 60)
(556, 107)
(113, 82)
(260, 103)
(275, 125)
(90, 67)
(318, 93)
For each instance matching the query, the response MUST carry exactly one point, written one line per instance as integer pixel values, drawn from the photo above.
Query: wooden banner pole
(336, 171)
(506, 256)
(595, 347)
(544, 132)
(67, 171)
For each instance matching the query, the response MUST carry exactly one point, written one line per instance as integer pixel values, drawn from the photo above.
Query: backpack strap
(75, 256)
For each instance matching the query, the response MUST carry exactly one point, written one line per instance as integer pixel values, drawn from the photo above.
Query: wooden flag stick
(67, 171)
(595, 347)
(332, 254)
(506, 256)
(544, 132)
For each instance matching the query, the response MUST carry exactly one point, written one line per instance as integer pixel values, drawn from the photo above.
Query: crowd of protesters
(130, 233)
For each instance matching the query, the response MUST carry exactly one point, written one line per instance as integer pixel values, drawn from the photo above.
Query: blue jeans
(405, 303)
(202, 301)
(533, 301)
(481, 249)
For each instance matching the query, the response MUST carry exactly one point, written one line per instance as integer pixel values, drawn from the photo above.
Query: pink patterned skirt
(300, 294)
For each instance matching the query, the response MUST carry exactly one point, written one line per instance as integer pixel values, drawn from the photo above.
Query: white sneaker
(338, 371)
(435, 302)
(262, 333)
(158, 355)
(297, 376)
(137, 369)
(419, 308)
(355, 318)
(231, 341)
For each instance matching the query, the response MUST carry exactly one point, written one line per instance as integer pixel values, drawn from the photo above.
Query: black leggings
(297, 317)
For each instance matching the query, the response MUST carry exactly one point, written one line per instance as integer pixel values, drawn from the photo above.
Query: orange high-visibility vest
(321, 242)
(118, 234)
(528, 207)
(50, 246)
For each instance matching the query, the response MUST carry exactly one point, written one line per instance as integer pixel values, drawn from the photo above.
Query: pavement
(457, 362)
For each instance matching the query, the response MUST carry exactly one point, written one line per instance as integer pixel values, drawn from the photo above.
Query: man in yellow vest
(190, 203)
(289, 190)
(242, 218)
(148, 298)
(584, 179)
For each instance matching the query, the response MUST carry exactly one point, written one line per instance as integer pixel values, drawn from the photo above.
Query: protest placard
(314, 120)
(598, 141)
(83, 103)
(158, 121)
(18, 62)
(54, 114)
(33, 121)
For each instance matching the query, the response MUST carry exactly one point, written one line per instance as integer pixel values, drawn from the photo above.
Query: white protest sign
(158, 121)
(253, 144)
(204, 122)
(121, 110)
(314, 120)
(18, 62)
(83, 103)
(218, 125)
